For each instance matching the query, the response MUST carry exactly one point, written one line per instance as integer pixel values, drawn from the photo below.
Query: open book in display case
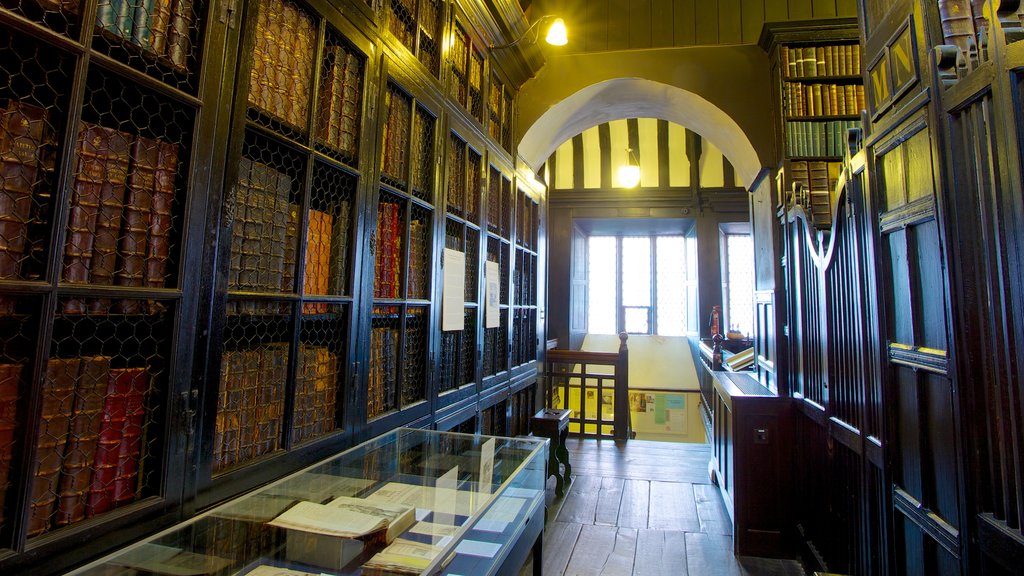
(477, 507)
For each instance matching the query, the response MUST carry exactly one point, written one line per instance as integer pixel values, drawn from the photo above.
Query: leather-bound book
(351, 102)
(90, 173)
(277, 231)
(158, 247)
(10, 381)
(318, 259)
(137, 219)
(337, 281)
(273, 372)
(76, 475)
(957, 24)
(125, 488)
(108, 217)
(54, 419)
(237, 209)
(328, 123)
(23, 133)
(248, 396)
(113, 421)
(179, 33)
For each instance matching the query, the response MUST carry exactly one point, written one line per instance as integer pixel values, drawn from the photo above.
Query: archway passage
(636, 97)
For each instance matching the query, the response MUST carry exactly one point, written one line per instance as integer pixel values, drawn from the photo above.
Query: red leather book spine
(10, 381)
(125, 487)
(112, 425)
(158, 249)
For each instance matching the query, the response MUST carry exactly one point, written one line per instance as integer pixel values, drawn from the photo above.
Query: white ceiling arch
(620, 98)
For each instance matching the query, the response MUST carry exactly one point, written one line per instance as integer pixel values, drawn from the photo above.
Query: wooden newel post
(623, 426)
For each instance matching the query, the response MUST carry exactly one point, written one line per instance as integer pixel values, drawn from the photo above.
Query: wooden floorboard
(633, 508)
(660, 553)
(644, 508)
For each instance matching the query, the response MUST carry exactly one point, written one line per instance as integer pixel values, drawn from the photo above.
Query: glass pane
(671, 268)
(740, 250)
(637, 320)
(636, 271)
(601, 285)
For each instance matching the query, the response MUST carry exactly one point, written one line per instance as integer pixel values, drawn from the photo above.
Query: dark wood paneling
(596, 28)
(800, 10)
(730, 27)
(823, 9)
(640, 24)
(707, 21)
(685, 17)
(776, 10)
(618, 33)
(752, 14)
(662, 23)
(846, 8)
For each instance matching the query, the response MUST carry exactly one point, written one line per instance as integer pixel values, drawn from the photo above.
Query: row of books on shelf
(815, 175)
(250, 404)
(823, 99)
(382, 379)
(327, 239)
(340, 99)
(387, 273)
(395, 149)
(120, 221)
(814, 61)
(818, 139)
(160, 27)
(281, 77)
(91, 429)
(316, 393)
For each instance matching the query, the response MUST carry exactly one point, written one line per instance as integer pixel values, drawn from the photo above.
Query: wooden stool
(553, 424)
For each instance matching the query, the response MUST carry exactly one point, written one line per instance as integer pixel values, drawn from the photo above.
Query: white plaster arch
(620, 98)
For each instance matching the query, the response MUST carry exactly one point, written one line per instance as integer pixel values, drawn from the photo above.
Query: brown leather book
(237, 209)
(10, 382)
(108, 217)
(158, 248)
(229, 400)
(58, 400)
(328, 122)
(318, 259)
(337, 282)
(126, 484)
(137, 219)
(90, 173)
(23, 133)
(179, 33)
(957, 23)
(248, 396)
(76, 475)
(299, 44)
(273, 372)
(351, 102)
(277, 233)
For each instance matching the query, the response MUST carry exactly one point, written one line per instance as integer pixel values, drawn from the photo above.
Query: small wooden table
(553, 424)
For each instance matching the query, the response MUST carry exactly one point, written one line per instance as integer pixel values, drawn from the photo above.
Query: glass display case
(408, 502)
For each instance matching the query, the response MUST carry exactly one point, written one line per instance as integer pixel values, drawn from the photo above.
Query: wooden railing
(595, 386)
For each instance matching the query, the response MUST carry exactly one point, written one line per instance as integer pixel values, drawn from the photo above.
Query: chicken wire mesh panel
(456, 193)
(420, 253)
(329, 231)
(494, 108)
(61, 16)
(35, 81)
(453, 234)
(395, 152)
(387, 247)
(494, 200)
(532, 282)
(160, 38)
(472, 264)
(263, 209)
(339, 110)
(253, 379)
(382, 376)
(281, 74)
(474, 162)
(128, 189)
(423, 168)
(320, 376)
(469, 330)
(102, 407)
(497, 251)
(414, 368)
(506, 120)
(451, 357)
(517, 279)
(507, 205)
(467, 64)
(17, 349)
(402, 21)
(431, 25)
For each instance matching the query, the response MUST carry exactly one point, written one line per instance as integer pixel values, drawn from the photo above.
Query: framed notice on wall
(453, 295)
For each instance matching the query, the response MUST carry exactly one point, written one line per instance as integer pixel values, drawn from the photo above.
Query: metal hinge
(188, 414)
(228, 9)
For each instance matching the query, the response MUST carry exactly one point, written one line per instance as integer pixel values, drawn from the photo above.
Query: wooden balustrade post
(622, 417)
